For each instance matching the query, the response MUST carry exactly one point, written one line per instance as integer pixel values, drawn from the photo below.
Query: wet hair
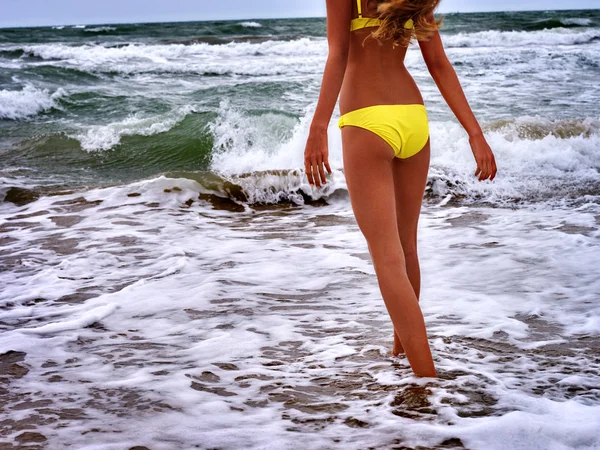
(395, 13)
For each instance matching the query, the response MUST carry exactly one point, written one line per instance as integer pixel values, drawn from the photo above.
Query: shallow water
(149, 318)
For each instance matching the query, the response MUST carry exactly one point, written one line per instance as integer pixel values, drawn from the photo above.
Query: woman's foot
(397, 346)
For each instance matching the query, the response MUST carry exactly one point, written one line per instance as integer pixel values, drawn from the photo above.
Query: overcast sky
(66, 12)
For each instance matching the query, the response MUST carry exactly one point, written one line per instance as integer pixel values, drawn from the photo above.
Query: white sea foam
(250, 24)
(306, 57)
(27, 102)
(542, 167)
(300, 56)
(99, 29)
(534, 162)
(581, 21)
(494, 38)
(275, 314)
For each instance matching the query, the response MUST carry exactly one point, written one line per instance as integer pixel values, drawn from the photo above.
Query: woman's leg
(369, 175)
(410, 180)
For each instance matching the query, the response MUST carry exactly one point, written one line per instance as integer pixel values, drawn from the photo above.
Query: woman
(385, 141)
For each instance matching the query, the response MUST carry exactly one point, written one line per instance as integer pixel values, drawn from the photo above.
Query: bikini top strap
(359, 4)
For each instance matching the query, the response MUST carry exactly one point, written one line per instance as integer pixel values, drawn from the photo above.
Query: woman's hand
(316, 157)
(486, 163)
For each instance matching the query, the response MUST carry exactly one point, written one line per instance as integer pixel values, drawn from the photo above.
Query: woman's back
(375, 73)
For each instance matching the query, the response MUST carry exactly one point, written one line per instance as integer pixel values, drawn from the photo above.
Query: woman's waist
(362, 89)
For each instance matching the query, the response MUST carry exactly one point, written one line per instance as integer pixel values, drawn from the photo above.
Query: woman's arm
(316, 154)
(447, 81)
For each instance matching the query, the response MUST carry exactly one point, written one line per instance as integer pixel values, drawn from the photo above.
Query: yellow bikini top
(365, 22)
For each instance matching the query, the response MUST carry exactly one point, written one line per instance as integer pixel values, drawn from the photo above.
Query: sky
(14, 13)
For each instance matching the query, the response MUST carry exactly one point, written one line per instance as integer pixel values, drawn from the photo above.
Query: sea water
(169, 280)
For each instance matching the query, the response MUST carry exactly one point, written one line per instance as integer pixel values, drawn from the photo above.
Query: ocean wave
(579, 21)
(242, 58)
(492, 38)
(259, 156)
(105, 137)
(547, 24)
(538, 159)
(268, 187)
(99, 29)
(250, 24)
(244, 143)
(12, 53)
(235, 39)
(253, 56)
(27, 102)
(227, 192)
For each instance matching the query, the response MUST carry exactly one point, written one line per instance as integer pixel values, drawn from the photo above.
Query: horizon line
(75, 24)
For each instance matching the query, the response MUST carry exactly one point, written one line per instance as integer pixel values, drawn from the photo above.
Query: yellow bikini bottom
(404, 127)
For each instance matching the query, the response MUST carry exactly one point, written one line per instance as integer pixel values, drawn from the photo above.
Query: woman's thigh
(368, 170)
(410, 180)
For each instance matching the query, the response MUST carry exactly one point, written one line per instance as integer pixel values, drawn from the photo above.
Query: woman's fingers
(485, 171)
(315, 172)
(314, 168)
(484, 157)
(322, 173)
(308, 170)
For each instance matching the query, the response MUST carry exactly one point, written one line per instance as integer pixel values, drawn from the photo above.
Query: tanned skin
(386, 192)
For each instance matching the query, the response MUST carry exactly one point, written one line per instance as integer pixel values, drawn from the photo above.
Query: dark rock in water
(454, 443)
(353, 422)
(209, 377)
(257, 404)
(31, 404)
(448, 444)
(9, 367)
(575, 229)
(78, 297)
(66, 221)
(206, 376)
(77, 204)
(222, 204)
(412, 397)
(28, 436)
(226, 366)
(213, 390)
(20, 196)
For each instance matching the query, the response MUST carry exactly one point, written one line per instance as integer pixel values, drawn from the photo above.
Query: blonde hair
(395, 13)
